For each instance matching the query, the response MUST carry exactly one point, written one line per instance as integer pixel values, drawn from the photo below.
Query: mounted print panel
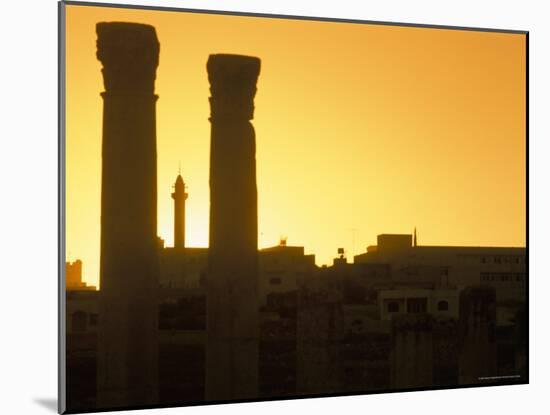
(263, 207)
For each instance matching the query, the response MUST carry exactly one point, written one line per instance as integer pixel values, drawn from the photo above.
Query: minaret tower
(179, 196)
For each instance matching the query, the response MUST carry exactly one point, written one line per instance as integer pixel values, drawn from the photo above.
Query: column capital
(232, 86)
(129, 53)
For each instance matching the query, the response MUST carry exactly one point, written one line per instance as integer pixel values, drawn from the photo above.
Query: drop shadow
(48, 403)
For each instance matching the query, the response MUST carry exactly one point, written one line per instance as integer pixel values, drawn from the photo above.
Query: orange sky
(366, 127)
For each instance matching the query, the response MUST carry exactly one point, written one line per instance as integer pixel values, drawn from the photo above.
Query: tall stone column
(232, 285)
(127, 343)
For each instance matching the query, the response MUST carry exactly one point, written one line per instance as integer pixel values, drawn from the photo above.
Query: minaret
(232, 293)
(180, 196)
(128, 307)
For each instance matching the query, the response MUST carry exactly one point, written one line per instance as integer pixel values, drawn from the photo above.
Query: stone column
(232, 284)
(127, 343)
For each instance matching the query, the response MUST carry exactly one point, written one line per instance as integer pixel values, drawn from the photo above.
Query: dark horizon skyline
(349, 259)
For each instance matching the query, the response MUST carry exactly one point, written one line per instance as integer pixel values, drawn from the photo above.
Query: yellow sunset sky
(361, 129)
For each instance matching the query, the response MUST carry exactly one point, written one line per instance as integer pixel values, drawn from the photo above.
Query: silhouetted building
(477, 335)
(281, 267)
(412, 351)
(436, 301)
(73, 277)
(445, 351)
(183, 267)
(319, 332)
(232, 299)
(339, 329)
(127, 346)
(180, 196)
(81, 347)
(504, 268)
(82, 311)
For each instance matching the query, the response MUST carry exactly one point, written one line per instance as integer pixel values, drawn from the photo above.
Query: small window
(275, 281)
(393, 307)
(443, 306)
(93, 319)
